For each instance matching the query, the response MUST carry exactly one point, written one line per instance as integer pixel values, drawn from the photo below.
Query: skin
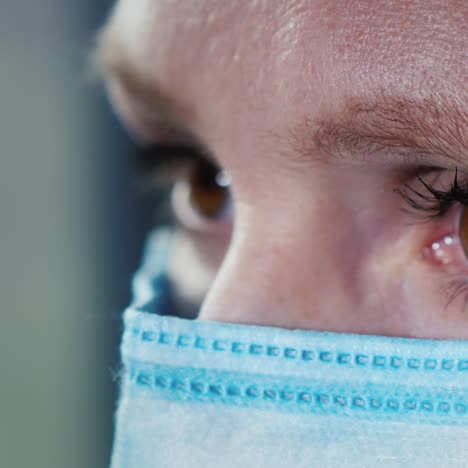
(318, 111)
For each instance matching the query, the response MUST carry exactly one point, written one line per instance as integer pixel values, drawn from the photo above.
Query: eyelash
(436, 202)
(168, 161)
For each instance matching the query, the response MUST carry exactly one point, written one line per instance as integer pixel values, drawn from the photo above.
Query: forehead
(290, 57)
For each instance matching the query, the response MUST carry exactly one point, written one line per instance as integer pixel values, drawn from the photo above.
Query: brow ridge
(431, 126)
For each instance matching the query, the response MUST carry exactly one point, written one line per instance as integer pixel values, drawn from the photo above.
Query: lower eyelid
(180, 200)
(457, 289)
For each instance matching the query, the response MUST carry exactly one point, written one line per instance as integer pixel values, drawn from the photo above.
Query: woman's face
(343, 127)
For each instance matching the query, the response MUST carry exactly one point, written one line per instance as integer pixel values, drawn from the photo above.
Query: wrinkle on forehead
(417, 37)
(276, 58)
(371, 37)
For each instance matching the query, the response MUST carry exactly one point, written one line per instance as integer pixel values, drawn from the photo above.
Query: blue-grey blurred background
(71, 228)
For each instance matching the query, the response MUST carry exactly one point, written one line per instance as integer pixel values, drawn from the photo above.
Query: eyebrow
(388, 125)
(380, 124)
(111, 62)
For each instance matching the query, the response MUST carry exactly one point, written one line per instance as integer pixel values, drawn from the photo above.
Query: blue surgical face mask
(205, 394)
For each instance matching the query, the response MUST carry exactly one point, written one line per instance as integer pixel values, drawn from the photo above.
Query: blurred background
(71, 230)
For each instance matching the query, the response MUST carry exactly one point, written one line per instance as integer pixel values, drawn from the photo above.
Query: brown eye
(463, 230)
(209, 190)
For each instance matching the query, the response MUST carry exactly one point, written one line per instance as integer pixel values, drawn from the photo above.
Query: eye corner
(448, 243)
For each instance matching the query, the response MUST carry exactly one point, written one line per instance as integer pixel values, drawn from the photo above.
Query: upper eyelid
(174, 151)
(429, 201)
(167, 161)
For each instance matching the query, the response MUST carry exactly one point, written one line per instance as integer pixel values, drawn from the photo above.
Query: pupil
(206, 195)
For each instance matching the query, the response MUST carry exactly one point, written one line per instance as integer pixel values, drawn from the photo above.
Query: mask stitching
(377, 361)
(234, 393)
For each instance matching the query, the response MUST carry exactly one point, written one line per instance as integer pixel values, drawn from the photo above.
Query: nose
(290, 280)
